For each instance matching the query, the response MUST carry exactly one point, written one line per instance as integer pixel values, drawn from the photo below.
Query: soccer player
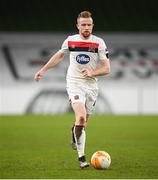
(88, 59)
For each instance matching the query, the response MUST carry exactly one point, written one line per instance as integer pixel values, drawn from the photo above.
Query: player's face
(85, 26)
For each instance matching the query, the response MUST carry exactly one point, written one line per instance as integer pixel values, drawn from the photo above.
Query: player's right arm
(55, 59)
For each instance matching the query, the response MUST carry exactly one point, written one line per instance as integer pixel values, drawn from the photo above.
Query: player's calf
(73, 143)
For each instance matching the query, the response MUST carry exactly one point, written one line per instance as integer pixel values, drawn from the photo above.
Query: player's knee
(82, 120)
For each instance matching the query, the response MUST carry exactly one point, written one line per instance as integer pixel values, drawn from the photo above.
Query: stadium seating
(134, 64)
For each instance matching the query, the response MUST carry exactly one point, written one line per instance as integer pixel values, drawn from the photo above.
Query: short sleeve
(103, 51)
(64, 48)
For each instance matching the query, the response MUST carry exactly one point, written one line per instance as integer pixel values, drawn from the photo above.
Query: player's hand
(38, 75)
(86, 72)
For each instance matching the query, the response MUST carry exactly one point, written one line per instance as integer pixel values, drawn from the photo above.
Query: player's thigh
(79, 108)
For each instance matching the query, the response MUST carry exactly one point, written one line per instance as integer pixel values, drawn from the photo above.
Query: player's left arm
(104, 69)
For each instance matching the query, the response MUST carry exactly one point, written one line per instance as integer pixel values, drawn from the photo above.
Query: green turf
(39, 147)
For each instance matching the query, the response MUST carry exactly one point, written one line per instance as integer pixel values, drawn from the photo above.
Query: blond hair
(84, 14)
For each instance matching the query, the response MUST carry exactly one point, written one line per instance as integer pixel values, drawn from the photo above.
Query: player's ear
(77, 26)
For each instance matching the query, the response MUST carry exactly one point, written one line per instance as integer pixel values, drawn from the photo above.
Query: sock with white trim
(80, 137)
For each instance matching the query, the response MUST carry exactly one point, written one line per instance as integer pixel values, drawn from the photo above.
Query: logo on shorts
(76, 97)
(82, 59)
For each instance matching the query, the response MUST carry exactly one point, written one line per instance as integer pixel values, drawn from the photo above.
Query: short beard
(86, 35)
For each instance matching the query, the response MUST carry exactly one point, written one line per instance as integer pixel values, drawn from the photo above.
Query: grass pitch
(39, 147)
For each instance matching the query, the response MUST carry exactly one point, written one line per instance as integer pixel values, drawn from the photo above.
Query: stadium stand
(134, 65)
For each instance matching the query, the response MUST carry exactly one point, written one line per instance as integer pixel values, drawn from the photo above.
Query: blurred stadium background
(31, 31)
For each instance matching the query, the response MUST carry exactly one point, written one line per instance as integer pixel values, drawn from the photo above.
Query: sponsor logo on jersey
(82, 59)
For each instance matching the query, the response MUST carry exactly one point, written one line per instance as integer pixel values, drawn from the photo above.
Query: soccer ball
(101, 160)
